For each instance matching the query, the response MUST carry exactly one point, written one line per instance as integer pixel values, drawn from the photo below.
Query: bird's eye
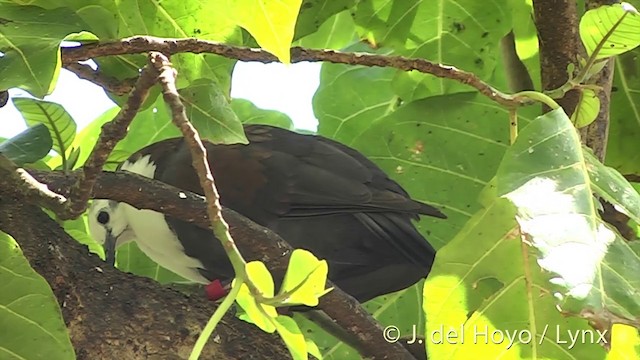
(103, 217)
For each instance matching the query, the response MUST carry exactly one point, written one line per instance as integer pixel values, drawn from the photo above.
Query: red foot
(215, 291)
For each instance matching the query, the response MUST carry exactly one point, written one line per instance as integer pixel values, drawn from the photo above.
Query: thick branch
(115, 315)
(254, 241)
(23, 183)
(595, 135)
(557, 24)
(141, 44)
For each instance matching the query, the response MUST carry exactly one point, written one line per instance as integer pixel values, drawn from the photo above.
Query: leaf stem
(513, 125)
(538, 96)
(215, 319)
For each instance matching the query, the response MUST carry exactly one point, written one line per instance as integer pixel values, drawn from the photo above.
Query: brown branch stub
(254, 241)
(113, 85)
(22, 182)
(112, 132)
(141, 44)
(632, 177)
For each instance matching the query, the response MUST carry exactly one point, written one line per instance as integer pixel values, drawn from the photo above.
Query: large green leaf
(60, 124)
(463, 33)
(248, 113)
(210, 112)
(314, 14)
(206, 20)
(149, 126)
(546, 175)
(623, 147)
(351, 98)
(29, 40)
(29, 146)
(442, 150)
(335, 33)
(30, 320)
(480, 284)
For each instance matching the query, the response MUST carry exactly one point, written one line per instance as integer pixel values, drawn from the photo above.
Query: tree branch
(112, 132)
(557, 24)
(254, 241)
(113, 85)
(141, 44)
(114, 315)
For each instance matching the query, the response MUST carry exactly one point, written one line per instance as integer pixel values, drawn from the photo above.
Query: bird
(315, 193)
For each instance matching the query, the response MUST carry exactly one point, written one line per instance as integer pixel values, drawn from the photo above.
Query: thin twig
(113, 85)
(141, 44)
(166, 75)
(167, 80)
(112, 132)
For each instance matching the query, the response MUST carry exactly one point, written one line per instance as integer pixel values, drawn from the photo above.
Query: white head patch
(108, 215)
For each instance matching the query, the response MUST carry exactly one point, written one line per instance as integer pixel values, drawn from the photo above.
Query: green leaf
(131, 259)
(256, 313)
(546, 176)
(79, 230)
(206, 20)
(248, 113)
(464, 33)
(339, 116)
(60, 124)
(612, 186)
(210, 112)
(29, 40)
(271, 23)
(28, 146)
(305, 279)
(613, 28)
(317, 15)
(292, 336)
(335, 33)
(313, 350)
(623, 147)
(149, 126)
(625, 343)
(468, 295)
(587, 109)
(30, 320)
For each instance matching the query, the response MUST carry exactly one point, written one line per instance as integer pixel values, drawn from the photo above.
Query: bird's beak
(110, 248)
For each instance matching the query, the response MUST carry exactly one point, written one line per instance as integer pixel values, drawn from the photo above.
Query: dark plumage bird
(316, 193)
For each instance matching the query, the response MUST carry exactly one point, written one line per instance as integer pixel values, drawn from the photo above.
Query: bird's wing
(316, 175)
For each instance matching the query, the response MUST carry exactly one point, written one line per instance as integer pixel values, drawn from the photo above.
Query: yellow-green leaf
(271, 23)
(305, 278)
(587, 109)
(256, 313)
(615, 28)
(292, 336)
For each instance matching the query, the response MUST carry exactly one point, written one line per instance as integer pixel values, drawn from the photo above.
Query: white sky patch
(286, 88)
